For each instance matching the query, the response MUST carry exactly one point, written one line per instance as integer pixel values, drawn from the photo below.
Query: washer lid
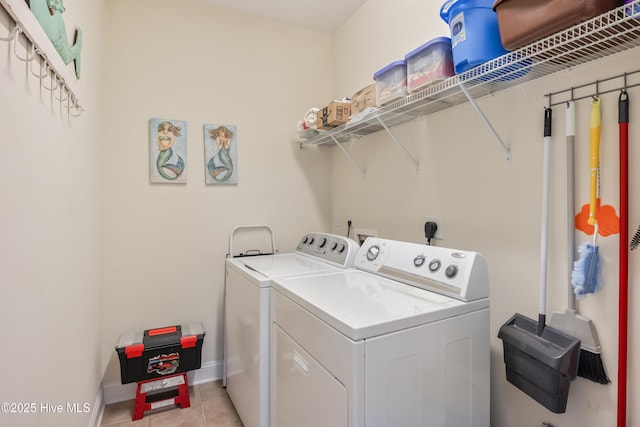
(364, 305)
(272, 266)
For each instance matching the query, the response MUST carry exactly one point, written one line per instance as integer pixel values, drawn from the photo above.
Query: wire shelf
(602, 36)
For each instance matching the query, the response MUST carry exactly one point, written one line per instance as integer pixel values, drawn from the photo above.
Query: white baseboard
(114, 391)
(98, 410)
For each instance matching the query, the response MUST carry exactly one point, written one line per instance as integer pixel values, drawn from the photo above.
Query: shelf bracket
(404, 150)
(346, 153)
(486, 121)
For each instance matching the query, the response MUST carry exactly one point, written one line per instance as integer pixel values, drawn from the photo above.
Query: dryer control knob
(434, 265)
(451, 271)
(373, 253)
(419, 260)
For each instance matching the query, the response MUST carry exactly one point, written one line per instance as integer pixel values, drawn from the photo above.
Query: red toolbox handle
(134, 350)
(162, 331)
(188, 341)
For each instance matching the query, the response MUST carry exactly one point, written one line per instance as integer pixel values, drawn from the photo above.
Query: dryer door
(305, 393)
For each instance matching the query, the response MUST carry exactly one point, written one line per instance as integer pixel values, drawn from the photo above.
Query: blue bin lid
(428, 44)
(399, 63)
(449, 4)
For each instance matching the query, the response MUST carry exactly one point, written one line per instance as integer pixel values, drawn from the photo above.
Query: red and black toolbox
(160, 352)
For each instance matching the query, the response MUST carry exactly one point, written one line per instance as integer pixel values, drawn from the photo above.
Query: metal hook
(77, 108)
(66, 91)
(54, 78)
(15, 50)
(13, 35)
(42, 66)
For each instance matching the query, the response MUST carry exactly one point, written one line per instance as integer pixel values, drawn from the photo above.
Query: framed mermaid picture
(221, 154)
(168, 150)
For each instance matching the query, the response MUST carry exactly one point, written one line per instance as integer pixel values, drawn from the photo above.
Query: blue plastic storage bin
(429, 64)
(391, 82)
(475, 36)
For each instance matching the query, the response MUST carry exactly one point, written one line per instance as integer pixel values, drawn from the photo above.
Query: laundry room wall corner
(166, 243)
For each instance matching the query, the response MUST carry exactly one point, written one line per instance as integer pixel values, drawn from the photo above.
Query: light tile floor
(210, 407)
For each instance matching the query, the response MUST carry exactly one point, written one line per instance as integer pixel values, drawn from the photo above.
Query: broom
(590, 365)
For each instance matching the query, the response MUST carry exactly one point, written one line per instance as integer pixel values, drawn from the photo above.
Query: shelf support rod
(486, 121)
(346, 153)
(404, 150)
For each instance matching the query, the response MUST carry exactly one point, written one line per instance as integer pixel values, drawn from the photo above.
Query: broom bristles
(591, 367)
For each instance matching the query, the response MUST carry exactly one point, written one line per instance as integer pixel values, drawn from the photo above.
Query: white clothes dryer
(248, 319)
(402, 340)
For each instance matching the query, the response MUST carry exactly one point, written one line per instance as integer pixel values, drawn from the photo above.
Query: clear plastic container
(429, 64)
(391, 82)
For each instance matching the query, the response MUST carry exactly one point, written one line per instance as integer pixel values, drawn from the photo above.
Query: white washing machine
(402, 340)
(248, 318)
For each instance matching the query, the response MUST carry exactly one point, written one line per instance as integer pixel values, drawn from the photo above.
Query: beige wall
(49, 234)
(488, 204)
(164, 244)
(78, 208)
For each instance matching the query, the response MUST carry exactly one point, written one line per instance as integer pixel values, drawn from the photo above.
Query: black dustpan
(541, 360)
(542, 366)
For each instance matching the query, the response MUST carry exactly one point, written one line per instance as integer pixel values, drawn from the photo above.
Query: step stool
(160, 393)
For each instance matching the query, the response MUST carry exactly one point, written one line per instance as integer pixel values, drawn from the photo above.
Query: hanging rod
(41, 50)
(596, 88)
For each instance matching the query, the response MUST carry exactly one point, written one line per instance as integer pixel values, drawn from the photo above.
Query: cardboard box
(160, 352)
(363, 99)
(335, 114)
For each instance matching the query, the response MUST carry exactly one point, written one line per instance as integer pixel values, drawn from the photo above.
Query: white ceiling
(321, 15)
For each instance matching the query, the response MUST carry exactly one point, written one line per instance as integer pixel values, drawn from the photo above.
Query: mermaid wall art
(221, 154)
(168, 150)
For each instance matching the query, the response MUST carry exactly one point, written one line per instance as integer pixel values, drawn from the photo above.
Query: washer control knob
(419, 260)
(322, 242)
(311, 240)
(373, 252)
(342, 248)
(335, 246)
(451, 271)
(434, 265)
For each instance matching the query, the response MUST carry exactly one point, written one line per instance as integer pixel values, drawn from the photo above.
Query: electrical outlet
(438, 220)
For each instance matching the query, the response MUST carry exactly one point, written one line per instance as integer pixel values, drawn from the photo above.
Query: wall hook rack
(595, 88)
(40, 50)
